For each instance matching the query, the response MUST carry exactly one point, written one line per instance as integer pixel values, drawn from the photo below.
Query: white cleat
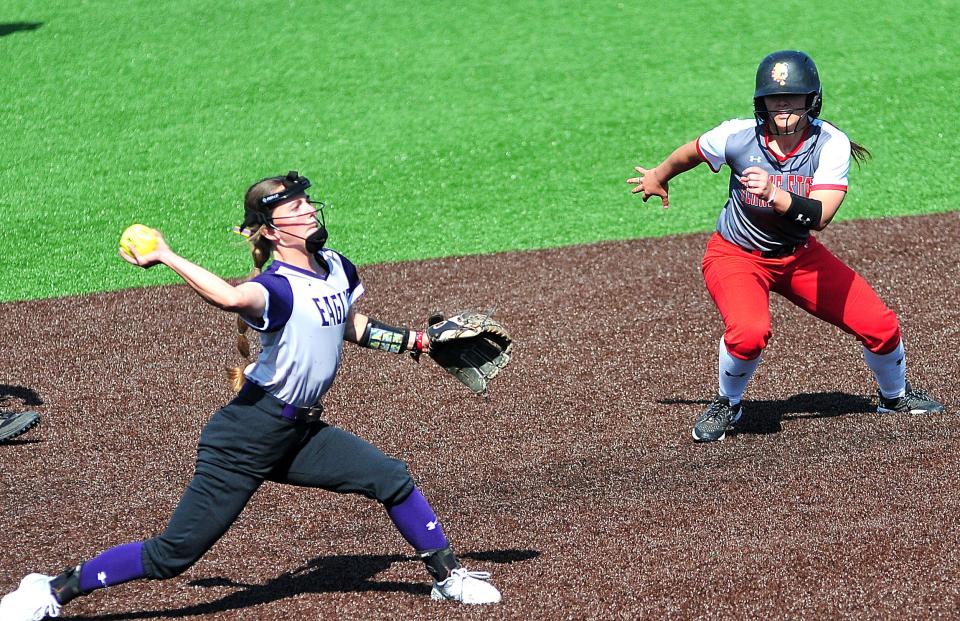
(467, 587)
(32, 601)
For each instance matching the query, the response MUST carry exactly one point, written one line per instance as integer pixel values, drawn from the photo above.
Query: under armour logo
(102, 578)
(729, 374)
(433, 525)
(755, 158)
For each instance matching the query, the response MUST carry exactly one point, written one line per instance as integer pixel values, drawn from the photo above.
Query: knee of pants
(884, 338)
(394, 483)
(165, 559)
(746, 342)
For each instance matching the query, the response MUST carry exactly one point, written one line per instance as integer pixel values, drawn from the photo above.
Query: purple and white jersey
(302, 327)
(820, 161)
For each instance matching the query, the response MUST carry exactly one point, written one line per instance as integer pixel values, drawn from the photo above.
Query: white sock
(890, 371)
(734, 374)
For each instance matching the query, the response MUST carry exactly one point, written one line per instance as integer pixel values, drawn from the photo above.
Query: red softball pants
(812, 278)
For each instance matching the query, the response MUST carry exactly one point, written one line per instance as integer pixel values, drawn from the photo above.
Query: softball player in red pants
(302, 305)
(788, 177)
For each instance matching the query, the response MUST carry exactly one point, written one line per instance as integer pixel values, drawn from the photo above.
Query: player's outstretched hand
(648, 183)
(148, 259)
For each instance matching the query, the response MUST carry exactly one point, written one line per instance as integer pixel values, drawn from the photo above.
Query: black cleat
(912, 402)
(712, 425)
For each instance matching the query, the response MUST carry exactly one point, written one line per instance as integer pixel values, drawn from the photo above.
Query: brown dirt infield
(575, 483)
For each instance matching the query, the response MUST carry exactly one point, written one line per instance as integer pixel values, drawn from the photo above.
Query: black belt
(256, 394)
(782, 251)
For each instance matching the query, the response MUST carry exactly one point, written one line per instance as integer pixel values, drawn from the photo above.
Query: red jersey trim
(704, 157)
(803, 139)
(828, 186)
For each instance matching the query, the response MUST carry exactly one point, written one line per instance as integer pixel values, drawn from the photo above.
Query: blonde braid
(260, 249)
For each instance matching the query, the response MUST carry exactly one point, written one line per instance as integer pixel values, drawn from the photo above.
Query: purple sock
(115, 566)
(417, 523)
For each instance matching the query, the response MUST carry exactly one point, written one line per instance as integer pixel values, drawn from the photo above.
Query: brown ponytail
(260, 249)
(859, 152)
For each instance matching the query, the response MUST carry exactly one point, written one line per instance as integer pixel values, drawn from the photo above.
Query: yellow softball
(138, 237)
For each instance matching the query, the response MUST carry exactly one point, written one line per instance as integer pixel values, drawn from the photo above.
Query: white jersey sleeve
(834, 166)
(712, 145)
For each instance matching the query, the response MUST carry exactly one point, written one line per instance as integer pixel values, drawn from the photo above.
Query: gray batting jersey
(821, 161)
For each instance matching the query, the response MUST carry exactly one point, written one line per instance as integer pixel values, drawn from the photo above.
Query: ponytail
(255, 215)
(260, 250)
(859, 152)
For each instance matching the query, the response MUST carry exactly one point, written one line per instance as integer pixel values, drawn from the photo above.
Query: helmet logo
(780, 73)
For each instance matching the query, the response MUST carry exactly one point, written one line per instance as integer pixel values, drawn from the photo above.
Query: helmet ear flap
(759, 110)
(814, 103)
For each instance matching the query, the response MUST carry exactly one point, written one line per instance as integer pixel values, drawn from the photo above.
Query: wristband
(417, 348)
(384, 337)
(772, 196)
(804, 211)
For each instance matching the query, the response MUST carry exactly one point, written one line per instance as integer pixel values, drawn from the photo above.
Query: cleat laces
(716, 411)
(51, 609)
(463, 573)
(916, 393)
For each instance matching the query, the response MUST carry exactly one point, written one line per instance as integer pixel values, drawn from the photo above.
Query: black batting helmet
(787, 72)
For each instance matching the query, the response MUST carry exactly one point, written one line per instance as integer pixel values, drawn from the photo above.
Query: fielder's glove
(471, 346)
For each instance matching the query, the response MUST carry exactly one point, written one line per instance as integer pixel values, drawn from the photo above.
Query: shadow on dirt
(764, 417)
(326, 574)
(27, 396)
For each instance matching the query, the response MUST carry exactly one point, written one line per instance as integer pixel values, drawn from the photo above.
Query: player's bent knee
(161, 560)
(883, 339)
(394, 484)
(746, 344)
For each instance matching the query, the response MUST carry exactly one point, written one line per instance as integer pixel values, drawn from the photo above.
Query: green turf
(431, 128)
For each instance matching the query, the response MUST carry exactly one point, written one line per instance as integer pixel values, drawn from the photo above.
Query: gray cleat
(14, 424)
(712, 425)
(912, 402)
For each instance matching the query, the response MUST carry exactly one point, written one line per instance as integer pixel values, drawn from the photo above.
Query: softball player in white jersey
(303, 306)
